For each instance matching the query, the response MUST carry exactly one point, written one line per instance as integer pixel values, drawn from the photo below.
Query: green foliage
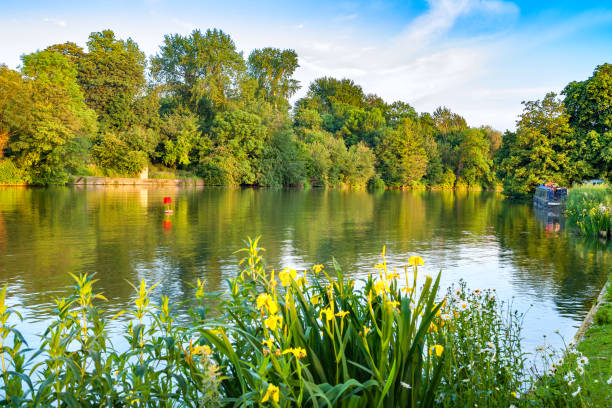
(273, 69)
(238, 141)
(202, 88)
(182, 136)
(589, 207)
(9, 173)
(56, 113)
(111, 75)
(202, 70)
(281, 163)
(474, 163)
(538, 152)
(115, 153)
(402, 157)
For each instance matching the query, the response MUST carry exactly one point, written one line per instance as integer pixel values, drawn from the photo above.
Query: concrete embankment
(116, 181)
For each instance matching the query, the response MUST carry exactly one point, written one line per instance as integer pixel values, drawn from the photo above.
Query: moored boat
(549, 195)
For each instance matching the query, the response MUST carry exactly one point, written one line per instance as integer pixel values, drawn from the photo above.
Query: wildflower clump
(319, 339)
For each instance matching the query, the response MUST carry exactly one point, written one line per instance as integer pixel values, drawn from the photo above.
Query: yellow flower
(393, 275)
(393, 303)
(366, 330)
(271, 393)
(317, 269)
(433, 328)
(268, 342)
(513, 394)
(379, 287)
(298, 352)
(273, 321)
(415, 260)
(286, 275)
(407, 289)
(265, 301)
(315, 299)
(342, 314)
(438, 349)
(328, 312)
(302, 281)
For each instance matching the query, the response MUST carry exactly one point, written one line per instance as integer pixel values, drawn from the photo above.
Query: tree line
(199, 107)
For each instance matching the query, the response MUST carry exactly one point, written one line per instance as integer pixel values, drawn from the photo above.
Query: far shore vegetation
(200, 108)
(295, 339)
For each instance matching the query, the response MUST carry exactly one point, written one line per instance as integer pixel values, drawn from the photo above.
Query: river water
(121, 233)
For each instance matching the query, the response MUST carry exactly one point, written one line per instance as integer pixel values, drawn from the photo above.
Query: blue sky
(480, 58)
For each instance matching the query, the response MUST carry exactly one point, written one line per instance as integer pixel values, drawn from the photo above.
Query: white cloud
(55, 21)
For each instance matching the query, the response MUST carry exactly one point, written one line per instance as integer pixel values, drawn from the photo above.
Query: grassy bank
(589, 208)
(279, 339)
(583, 378)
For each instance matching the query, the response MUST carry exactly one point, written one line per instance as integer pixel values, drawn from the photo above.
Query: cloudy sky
(480, 58)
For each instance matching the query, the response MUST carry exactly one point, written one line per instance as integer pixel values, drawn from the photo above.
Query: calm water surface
(120, 233)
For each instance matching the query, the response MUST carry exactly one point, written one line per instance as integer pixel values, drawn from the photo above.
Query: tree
(113, 152)
(182, 135)
(474, 163)
(199, 66)
(589, 104)
(14, 111)
(538, 152)
(402, 159)
(56, 114)
(273, 69)
(238, 140)
(111, 75)
(281, 163)
(323, 92)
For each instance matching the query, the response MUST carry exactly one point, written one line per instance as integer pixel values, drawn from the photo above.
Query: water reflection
(122, 233)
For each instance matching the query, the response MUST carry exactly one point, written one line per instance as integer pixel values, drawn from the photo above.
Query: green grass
(572, 384)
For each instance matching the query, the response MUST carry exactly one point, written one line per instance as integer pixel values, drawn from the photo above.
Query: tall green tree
(474, 163)
(57, 114)
(203, 70)
(402, 159)
(589, 104)
(273, 69)
(539, 151)
(111, 75)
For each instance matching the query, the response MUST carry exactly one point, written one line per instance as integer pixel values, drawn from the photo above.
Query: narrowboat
(549, 195)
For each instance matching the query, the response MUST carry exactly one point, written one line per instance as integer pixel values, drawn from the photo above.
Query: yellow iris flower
(415, 260)
(438, 349)
(272, 393)
(273, 321)
(286, 275)
(298, 352)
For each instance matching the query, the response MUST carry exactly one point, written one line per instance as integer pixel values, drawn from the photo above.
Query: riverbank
(596, 345)
(114, 181)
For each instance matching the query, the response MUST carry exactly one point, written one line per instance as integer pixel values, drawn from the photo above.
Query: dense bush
(9, 173)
